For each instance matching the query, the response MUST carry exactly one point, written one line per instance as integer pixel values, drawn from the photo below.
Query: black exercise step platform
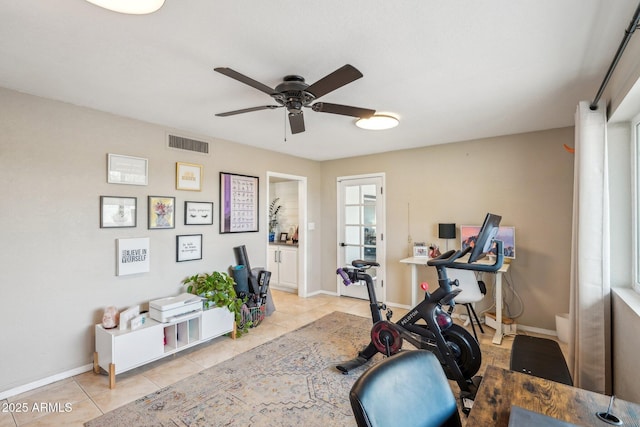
(540, 357)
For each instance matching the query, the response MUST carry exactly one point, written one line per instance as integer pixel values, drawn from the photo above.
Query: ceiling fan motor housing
(292, 94)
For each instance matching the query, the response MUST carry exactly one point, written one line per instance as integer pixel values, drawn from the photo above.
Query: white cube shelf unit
(119, 351)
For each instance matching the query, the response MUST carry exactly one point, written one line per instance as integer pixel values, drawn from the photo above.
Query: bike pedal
(467, 404)
(389, 314)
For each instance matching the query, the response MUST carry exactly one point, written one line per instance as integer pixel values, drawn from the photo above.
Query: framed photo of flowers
(161, 211)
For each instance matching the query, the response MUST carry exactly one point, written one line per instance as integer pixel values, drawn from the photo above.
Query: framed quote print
(188, 176)
(188, 247)
(198, 213)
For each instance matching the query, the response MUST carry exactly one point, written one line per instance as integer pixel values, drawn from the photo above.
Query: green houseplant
(219, 290)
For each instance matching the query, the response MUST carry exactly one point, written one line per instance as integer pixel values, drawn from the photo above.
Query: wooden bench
(540, 357)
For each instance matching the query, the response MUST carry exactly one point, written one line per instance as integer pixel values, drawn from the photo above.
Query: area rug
(289, 381)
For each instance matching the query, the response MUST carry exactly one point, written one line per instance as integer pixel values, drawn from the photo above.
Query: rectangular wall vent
(181, 143)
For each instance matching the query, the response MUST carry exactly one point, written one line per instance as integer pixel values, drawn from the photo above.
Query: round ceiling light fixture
(131, 7)
(378, 122)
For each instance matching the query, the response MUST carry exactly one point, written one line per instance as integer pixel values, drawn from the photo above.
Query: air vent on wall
(181, 143)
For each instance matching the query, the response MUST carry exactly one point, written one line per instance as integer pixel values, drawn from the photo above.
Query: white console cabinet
(119, 351)
(283, 264)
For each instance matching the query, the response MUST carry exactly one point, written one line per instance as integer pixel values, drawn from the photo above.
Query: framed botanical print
(161, 211)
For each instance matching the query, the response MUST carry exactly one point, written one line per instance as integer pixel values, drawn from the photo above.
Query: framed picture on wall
(118, 212)
(198, 213)
(127, 170)
(161, 211)
(188, 176)
(133, 256)
(238, 203)
(188, 247)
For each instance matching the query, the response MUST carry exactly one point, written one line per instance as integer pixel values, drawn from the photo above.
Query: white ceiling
(451, 70)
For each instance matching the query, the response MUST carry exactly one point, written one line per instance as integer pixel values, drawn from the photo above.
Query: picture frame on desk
(420, 251)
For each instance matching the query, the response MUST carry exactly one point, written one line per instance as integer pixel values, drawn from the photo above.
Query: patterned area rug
(289, 381)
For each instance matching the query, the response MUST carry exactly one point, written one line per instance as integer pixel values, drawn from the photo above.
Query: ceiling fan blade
(297, 122)
(248, 110)
(345, 110)
(244, 79)
(333, 81)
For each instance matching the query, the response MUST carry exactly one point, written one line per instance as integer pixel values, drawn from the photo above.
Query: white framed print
(127, 170)
(188, 247)
(132, 256)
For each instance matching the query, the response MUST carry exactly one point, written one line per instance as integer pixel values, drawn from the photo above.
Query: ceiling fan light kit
(378, 122)
(131, 7)
(294, 94)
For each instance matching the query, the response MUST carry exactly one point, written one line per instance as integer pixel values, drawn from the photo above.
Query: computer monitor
(506, 234)
(483, 241)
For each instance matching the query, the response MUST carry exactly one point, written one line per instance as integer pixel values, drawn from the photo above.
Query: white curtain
(589, 345)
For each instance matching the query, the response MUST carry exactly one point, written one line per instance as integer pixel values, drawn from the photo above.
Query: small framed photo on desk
(284, 237)
(420, 250)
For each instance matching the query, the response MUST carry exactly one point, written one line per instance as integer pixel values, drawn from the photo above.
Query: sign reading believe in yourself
(132, 256)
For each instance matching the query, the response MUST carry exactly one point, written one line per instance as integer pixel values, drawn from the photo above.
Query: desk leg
(414, 285)
(497, 338)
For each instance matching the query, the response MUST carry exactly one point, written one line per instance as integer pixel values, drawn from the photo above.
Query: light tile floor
(73, 401)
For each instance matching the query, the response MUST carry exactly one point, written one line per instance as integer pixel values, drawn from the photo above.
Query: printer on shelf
(172, 308)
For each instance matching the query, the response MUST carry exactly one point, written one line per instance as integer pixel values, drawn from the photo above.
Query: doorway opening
(287, 253)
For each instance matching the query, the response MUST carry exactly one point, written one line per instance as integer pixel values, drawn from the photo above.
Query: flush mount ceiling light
(378, 122)
(132, 7)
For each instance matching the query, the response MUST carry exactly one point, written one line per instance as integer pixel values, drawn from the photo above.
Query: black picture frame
(161, 212)
(283, 237)
(239, 202)
(118, 212)
(188, 247)
(198, 213)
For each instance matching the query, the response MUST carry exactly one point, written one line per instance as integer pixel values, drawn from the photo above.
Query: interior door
(361, 230)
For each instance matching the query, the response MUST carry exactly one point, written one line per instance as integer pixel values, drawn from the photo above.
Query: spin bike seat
(360, 263)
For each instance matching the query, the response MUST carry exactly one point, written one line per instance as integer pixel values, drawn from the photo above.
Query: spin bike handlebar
(448, 260)
(352, 275)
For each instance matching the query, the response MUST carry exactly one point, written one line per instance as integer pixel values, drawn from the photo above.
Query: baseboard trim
(45, 381)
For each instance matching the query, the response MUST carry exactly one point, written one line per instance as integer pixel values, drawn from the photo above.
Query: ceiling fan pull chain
(285, 125)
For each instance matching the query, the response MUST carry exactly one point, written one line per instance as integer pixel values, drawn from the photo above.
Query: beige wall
(58, 267)
(527, 178)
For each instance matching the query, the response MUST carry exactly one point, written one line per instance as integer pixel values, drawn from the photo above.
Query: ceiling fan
(294, 94)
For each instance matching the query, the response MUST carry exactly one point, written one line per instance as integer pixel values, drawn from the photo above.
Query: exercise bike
(428, 326)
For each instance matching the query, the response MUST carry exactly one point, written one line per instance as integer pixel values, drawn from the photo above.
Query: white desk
(415, 288)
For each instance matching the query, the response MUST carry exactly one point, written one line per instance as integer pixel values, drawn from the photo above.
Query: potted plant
(274, 208)
(218, 288)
